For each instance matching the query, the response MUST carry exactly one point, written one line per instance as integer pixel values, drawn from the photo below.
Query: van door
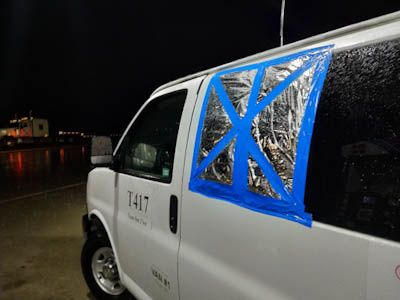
(149, 192)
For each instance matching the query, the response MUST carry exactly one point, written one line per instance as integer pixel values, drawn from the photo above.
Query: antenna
(282, 20)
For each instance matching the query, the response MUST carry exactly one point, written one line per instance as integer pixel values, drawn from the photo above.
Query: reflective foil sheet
(257, 122)
(257, 182)
(276, 128)
(221, 168)
(216, 125)
(276, 74)
(238, 87)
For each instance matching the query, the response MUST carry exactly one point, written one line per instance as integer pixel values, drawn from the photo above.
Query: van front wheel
(100, 270)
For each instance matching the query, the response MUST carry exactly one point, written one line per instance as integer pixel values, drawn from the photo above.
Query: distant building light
(60, 132)
(24, 118)
(46, 135)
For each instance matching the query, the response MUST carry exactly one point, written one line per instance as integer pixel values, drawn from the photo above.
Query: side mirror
(101, 151)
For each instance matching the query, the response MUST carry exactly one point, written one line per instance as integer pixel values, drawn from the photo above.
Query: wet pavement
(40, 242)
(42, 200)
(24, 172)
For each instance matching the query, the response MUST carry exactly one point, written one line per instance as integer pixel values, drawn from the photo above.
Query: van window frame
(121, 151)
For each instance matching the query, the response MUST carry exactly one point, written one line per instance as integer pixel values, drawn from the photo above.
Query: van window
(354, 166)
(149, 147)
(252, 143)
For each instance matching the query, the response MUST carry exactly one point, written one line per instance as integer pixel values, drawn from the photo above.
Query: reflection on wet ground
(30, 171)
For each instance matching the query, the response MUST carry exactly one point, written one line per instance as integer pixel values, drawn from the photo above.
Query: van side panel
(383, 270)
(229, 252)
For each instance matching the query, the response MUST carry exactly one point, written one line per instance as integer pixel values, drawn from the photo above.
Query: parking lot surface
(40, 244)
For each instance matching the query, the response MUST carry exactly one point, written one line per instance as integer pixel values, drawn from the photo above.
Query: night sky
(89, 65)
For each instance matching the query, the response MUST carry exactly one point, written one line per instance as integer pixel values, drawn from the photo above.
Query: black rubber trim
(85, 225)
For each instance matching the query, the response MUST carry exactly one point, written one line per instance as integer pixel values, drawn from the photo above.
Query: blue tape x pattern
(291, 204)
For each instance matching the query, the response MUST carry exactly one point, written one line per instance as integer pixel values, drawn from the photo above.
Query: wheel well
(95, 228)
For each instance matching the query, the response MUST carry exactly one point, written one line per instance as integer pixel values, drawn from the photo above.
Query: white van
(276, 176)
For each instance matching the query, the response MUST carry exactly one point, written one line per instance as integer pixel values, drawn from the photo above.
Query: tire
(97, 254)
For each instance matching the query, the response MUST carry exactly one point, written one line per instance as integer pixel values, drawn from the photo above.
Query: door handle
(173, 213)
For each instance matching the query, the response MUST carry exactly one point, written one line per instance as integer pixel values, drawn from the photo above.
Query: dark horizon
(89, 66)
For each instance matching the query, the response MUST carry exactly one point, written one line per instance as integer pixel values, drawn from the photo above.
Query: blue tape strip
(199, 128)
(227, 104)
(291, 205)
(259, 203)
(240, 171)
(307, 126)
(215, 151)
(280, 88)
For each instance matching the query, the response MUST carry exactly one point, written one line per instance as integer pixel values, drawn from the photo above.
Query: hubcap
(105, 271)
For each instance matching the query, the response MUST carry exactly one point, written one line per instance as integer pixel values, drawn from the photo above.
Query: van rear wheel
(100, 270)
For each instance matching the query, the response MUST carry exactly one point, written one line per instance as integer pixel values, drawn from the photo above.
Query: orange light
(47, 156)
(62, 156)
(20, 169)
(11, 158)
(16, 166)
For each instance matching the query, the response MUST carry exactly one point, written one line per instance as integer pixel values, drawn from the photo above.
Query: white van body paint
(223, 251)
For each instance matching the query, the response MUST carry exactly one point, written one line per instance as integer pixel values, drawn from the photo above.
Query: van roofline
(302, 43)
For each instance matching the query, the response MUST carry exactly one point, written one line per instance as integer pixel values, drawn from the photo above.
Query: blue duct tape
(291, 204)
